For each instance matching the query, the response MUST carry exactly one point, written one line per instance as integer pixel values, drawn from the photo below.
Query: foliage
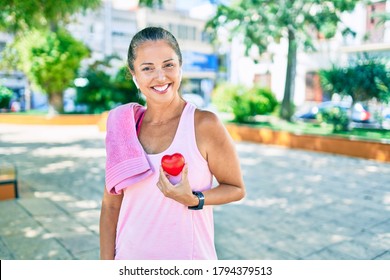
(104, 91)
(382, 17)
(49, 59)
(263, 22)
(5, 97)
(243, 102)
(20, 15)
(151, 3)
(223, 96)
(336, 116)
(363, 80)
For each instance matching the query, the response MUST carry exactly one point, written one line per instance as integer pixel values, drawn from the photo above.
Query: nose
(161, 75)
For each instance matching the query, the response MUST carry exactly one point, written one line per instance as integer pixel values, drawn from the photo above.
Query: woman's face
(157, 70)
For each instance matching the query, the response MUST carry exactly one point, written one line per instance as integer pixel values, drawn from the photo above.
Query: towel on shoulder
(126, 160)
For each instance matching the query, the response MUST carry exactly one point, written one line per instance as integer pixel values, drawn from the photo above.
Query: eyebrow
(149, 63)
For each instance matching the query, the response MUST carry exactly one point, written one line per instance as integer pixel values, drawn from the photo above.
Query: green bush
(224, 96)
(5, 97)
(243, 102)
(335, 116)
(256, 101)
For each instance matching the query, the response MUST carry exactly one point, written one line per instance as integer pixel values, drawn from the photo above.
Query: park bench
(8, 181)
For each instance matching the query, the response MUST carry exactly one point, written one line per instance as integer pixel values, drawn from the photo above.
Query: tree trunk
(287, 105)
(56, 102)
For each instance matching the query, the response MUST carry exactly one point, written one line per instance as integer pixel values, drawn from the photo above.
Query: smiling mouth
(161, 89)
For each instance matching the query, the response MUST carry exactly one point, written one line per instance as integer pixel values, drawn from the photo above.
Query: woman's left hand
(180, 192)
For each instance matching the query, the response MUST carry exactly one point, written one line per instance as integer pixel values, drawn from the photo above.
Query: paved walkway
(299, 204)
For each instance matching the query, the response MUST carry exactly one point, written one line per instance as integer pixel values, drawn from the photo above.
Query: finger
(185, 172)
(163, 177)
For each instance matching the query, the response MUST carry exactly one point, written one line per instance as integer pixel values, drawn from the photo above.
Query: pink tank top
(151, 226)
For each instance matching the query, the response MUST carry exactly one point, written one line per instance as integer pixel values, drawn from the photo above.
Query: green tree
(104, 91)
(262, 22)
(363, 80)
(19, 15)
(50, 60)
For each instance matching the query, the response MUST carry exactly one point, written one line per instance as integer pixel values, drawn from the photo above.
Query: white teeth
(162, 88)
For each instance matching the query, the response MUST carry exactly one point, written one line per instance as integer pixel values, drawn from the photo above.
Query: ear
(135, 81)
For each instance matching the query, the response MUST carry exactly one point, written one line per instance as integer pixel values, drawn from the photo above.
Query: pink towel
(126, 160)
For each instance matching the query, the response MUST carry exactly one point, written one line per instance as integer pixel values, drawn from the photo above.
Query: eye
(169, 65)
(146, 69)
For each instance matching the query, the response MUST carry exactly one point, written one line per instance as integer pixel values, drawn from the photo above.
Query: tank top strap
(186, 129)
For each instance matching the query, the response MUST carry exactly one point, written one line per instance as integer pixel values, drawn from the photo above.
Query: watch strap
(200, 196)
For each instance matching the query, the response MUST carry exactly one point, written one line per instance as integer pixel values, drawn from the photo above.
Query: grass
(30, 113)
(274, 123)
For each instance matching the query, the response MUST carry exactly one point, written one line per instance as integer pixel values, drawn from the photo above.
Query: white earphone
(135, 82)
(180, 75)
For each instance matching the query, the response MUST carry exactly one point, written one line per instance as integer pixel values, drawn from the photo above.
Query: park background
(260, 65)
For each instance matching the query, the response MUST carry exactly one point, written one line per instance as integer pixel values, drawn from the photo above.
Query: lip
(161, 91)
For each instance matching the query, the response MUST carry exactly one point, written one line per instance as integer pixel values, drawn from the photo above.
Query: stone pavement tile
(77, 205)
(308, 242)
(5, 253)
(290, 224)
(243, 235)
(271, 253)
(40, 206)
(251, 251)
(80, 242)
(67, 202)
(263, 240)
(93, 254)
(342, 227)
(11, 210)
(19, 226)
(383, 227)
(374, 244)
(365, 218)
(336, 231)
(365, 246)
(89, 218)
(329, 254)
(39, 246)
(384, 256)
(59, 226)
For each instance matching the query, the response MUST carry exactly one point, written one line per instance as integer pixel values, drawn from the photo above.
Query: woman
(150, 215)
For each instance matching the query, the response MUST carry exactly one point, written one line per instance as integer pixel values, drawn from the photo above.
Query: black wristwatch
(200, 196)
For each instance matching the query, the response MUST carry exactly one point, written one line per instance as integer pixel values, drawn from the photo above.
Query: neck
(157, 114)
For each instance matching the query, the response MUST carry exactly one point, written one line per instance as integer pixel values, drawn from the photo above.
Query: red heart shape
(173, 164)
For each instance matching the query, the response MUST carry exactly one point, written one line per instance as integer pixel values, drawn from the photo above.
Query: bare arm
(216, 145)
(108, 222)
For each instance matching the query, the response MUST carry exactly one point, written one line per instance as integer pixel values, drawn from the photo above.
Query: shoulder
(205, 120)
(209, 129)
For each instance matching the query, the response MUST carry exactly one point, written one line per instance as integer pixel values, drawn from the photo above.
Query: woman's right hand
(180, 192)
